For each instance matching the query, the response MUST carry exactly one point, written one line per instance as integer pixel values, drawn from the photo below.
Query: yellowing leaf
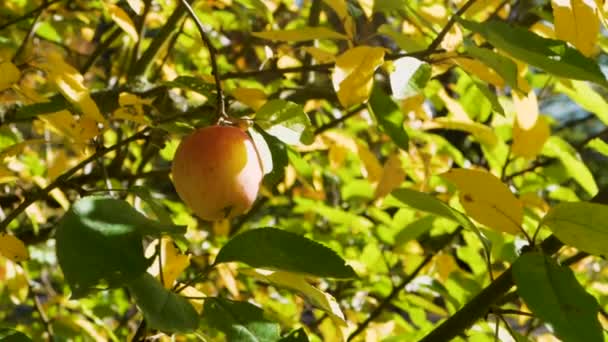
(368, 7)
(65, 124)
(195, 297)
(16, 149)
(526, 110)
(6, 175)
(370, 163)
(136, 5)
(484, 134)
(341, 9)
(71, 84)
(577, 22)
(392, 176)
(453, 106)
(486, 199)
(452, 39)
(121, 18)
(297, 282)
(299, 35)
(227, 278)
(172, 261)
(353, 75)
(10, 75)
(252, 97)
(13, 248)
(528, 143)
(320, 55)
(479, 69)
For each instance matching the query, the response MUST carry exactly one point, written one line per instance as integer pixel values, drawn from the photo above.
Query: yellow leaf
(10, 75)
(195, 297)
(252, 97)
(228, 279)
(372, 166)
(67, 125)
(577, 22)
(484, 134)
(300, 35)
(453, 106)
(477, 68)
(297, 282)
(121, 18)
(56, 193)
(221, 227)
(127, 99)
(13, 248)
(71, 84)
(16, 282)
(341, 9)
(529, 143)
(353, 75)
(6, 175)
(452, 39)
(487, 200)
(136, 5)
(368, 7)
(320, 55)
(392, 176)
(526, 110)
(172, 261)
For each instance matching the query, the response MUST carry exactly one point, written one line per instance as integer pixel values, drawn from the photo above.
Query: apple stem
(221, 106)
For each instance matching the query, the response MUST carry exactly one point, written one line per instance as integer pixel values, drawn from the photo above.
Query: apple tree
(303, 170)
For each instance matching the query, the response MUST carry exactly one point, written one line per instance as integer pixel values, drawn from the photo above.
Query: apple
(217, 172)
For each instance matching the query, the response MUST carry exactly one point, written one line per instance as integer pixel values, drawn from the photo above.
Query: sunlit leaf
(392, 176)
(580, 224)
(598, 145)
(353, 75)
(409, 77)
(285, 120)
(586, 97)
(486, 199)
(577, 22)
(553, 56)
(558, 148)
(172, 261)
(121, 18)
(252, 97)
(12, 248)
(529, 143)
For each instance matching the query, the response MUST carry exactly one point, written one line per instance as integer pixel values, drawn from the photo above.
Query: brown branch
(339, 120)
(40, 194)
(30, 14)
(221, 106)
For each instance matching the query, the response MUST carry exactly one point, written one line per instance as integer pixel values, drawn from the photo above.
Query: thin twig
(40, 194)
(435, 43)
(221, 107)
(29, 14)
(339, 120)
(396, 290)
(101, 48)
(28, 36)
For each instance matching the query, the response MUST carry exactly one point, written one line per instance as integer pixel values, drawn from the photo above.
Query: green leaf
(161, 213)
(558, 148)
(389, 116)
(56, 103)
(240, 321)
(406, 42)
(409, 77)
(193, 83)
(286, 121)
(296, 336)
(273, 248)
(10, 335)
(553, 294)
(273, 154)
(583, 225)
(427, 203)
(553, 56)
(590, 100)
(598, 145)
(163, 309)
(100, 239)
(504, 66)
(489, 94)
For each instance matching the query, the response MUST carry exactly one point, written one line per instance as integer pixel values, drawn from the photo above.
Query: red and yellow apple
(217, 172)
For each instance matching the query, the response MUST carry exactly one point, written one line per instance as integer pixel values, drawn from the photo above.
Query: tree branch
(30, 14)
(437, 41)
(38, 195)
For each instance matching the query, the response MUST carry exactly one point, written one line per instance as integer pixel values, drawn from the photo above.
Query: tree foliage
(434, 170)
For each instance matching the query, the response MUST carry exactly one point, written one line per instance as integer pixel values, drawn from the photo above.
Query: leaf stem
(221, 106)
